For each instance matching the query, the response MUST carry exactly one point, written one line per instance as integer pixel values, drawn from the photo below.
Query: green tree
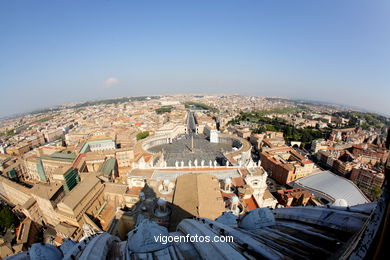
(164, 109)
(142, 135)
(376, 192)
(7, 218)
(288, 132)
(306, 136)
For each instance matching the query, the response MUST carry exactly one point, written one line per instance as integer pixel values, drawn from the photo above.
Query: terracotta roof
(134, 191)
(238, 181)
(250, 203)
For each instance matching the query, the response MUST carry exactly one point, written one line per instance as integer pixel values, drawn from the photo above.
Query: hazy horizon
(352, 107)
(54, 53)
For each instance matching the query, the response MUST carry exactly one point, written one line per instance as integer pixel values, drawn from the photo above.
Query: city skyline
(86, 101)
(53, 54)
(125, 170)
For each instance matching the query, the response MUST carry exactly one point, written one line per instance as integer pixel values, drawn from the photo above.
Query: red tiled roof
(306, 161)
(78, 159)
(58, 239)
(251, 203)
(238, 181)
(134, 191)
(227, 195)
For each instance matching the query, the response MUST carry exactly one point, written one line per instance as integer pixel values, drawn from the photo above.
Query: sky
(58, 52)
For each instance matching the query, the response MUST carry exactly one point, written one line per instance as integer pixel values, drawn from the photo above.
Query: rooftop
(197, 194)
(335, 186)
(285, 233)
(59, 156)
(108, 166)
(73, 198)
(46, 191)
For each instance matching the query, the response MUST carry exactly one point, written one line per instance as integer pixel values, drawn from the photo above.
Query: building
(53, 163)
(319, 144)
(47, 196)
(293, 197)
(13, 192)
(18, 149)
(267, 140)
(94, 161)
(85, 200)
(369, 180)
(68, 176)
(27, 234)
(98, 145)
(109, 170)
(285, 164)
(340, 161)
(329, 187)
(196, 195)
(32, 173)
(53, 134)
(372, 152)
(285, 233)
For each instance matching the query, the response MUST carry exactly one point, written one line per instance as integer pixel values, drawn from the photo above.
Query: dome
(67, 245)
(235, 199)
(340, 203)
(161, 202)
(142, 239)
(44, 251)
(227, 218)
(228, 181)
(257, 218)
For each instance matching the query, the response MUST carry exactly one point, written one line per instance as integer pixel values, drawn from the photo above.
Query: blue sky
(56, 52)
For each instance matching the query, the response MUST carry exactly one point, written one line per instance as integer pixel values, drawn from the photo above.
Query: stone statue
(88, 231)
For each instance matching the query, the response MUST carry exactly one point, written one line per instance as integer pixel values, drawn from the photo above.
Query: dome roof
(143, 238)
(227, 218)
(161, 202)
(340, 203)
(40, 251)
(257, 218)
(67, 245)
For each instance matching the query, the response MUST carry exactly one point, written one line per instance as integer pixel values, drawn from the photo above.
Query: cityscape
(82, 169)
(194, 131)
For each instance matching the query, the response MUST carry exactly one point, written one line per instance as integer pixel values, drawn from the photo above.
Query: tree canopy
(142, 135)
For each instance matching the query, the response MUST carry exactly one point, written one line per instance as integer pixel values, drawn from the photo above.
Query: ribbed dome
(44, 252)
(340, 203)
(143, 238)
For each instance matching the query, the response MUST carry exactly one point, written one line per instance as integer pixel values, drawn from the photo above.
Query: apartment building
(285, 164)
(367, 179)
